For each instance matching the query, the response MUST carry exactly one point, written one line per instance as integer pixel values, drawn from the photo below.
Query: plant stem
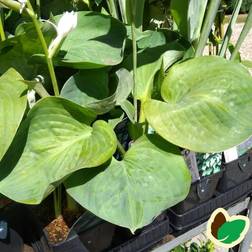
(142, 116)
(57, 197)
(45, 49)
(134, 46)
(120, 148)
(211, 14)
(2, 33)
(40, 90)
(246, 28)
(113, 8)
(71, 203)
(230, 28)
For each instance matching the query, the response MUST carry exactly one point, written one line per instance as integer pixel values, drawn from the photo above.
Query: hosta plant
(85, 71)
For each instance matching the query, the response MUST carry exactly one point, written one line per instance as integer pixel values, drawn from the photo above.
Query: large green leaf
(90, 89)
(230, 231)
(149, 63)
(55, 140)
(12, 107)
(208, 105)
(130, 193)
(97, 41)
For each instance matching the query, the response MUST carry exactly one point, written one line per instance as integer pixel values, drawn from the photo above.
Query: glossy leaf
(55, 140)
(230, 231)
(12, 107)
(207, 106)
(130, 193)
(97, 41)
(90, 89)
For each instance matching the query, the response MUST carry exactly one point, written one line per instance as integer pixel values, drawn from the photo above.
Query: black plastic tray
(200, 192)
(236, 172)
(203, 211)
(146, 238)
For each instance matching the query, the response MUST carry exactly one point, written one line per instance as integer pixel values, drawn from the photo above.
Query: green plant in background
(195, 247)
(99, 63)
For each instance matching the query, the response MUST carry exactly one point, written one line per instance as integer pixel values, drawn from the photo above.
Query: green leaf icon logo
(226, 231)
(230, 231)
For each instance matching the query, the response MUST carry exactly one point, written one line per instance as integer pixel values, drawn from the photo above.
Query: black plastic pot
(236, 172)
(19, 226)
(200, 191)
(72, 244)
(91, 234)
(201, 212)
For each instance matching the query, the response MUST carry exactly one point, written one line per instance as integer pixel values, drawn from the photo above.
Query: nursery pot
(236, 172)
(91, 234)
(200, 191)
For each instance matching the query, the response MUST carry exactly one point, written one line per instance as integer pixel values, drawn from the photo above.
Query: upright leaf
(196, 13)
(129, 7)
(208, 105)
(130, 193)
(245, 30)
(212, 10)
(189, 15)
(179, 13)
(12, 107)
(55, 140)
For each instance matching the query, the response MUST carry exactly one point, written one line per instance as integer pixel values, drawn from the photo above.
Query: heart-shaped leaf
(151, 178)
(90, 89)
(230, 231)
(55, 140)
(208, 105)
(97, 41)
(12, 107)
